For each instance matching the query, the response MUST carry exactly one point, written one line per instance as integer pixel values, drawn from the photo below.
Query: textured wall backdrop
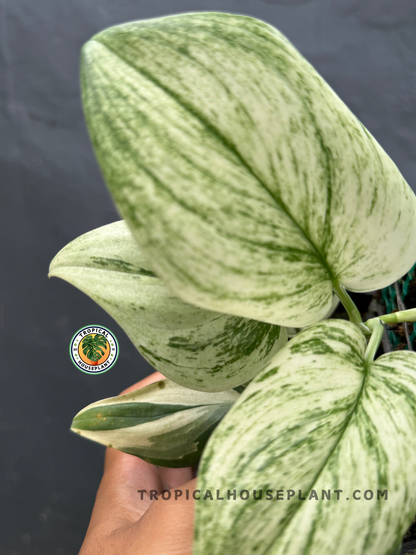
(51, 192)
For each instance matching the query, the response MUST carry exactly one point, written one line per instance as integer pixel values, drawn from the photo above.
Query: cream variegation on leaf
(318, 417)
(196, 348)
(162, 423)
(253, 193)
(249, 185)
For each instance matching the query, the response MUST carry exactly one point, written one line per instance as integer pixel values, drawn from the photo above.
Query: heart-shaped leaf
(196, 348)
(318, 418)
(248, 184)
(163, 423)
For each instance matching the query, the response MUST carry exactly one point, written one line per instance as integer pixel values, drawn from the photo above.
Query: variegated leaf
(163, 423)
(291, 332)
(196, 348)
(248, 184)
(317, 418)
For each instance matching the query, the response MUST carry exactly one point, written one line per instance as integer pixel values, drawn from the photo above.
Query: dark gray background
(51, 192)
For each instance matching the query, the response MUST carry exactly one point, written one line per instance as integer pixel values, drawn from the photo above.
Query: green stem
(348, 303)
(377, 328)
(398, 317)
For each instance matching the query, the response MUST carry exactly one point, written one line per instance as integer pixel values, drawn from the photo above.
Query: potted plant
(252, 199)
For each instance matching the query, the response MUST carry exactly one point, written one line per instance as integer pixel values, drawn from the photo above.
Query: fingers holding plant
(130, 513)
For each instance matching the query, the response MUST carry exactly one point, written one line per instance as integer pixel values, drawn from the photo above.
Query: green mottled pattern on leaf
(317, 418)
(196, 348)
(164, 423)
(248, 184)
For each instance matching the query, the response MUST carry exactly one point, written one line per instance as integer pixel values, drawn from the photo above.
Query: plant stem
(348, 303)
(377, 328)
(397, 317)
(379, 311)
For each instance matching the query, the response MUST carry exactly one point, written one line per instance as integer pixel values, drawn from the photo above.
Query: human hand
(124, 524)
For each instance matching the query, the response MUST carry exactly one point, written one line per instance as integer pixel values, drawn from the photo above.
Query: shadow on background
(51, 192)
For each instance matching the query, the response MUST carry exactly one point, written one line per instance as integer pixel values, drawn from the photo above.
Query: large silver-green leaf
(164, 423)
(317, 418)
(196, 348)
(249, 185)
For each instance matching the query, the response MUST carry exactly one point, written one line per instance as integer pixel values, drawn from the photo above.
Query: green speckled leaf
(196, 348)
(317, 418)
(164, 423)
(248, 184)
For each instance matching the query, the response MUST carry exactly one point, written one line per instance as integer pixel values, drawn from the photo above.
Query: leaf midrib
(54, 272)
(150, 418)
(367, 367)
(218, 135)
